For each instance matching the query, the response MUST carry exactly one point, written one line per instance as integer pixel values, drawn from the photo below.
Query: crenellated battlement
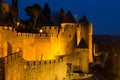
(17, 55)
(44, 62)
(50, 27)
(45, 28)
(12, 57)
(48, 31)
(6, 28)
(34, 35)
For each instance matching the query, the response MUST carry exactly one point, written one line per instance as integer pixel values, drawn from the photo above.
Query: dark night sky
(104, 14)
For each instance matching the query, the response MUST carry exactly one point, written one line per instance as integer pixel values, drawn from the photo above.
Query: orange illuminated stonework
(49, 50)
(55, 53)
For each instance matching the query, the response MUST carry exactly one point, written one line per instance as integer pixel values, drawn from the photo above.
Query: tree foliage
(39, 17)
(61, 15)
(106, 62)
(46, 10)
(34, 12)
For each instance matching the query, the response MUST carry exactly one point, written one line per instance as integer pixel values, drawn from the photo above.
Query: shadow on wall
(7, 49)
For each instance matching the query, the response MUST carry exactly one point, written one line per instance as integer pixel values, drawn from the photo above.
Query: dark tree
(46, 10)
(47, 15)
(34, 12)
(55, 17)
(61, 14)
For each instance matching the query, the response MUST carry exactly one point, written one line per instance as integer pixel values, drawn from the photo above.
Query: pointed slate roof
(84, 20)
(82, 44)
(68, 18)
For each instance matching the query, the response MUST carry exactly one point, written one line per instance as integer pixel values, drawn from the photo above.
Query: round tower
(4, 10)
(4, 7)
(67, 37)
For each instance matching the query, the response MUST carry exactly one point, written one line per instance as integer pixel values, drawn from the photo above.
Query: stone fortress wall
(42, 56)
(15, 65)
(16, 68)
(38, 59)
(28, 43)
(48, 44)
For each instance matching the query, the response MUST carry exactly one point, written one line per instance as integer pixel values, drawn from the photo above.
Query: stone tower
(4, 10)
(83, 50)
(84, 30)
(68, 34)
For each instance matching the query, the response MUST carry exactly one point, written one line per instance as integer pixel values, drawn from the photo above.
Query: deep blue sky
(104, 14)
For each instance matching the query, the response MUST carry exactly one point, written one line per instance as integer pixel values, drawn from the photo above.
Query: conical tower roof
(82, 44)
(83, 20)
(68, 18)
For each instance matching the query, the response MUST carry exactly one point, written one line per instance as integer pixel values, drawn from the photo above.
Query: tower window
(3, 9)
(69, 36)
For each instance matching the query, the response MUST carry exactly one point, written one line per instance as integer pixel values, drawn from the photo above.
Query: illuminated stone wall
(46, 45)
(34, 46)
(12, 67)
(85, 31)
(16, 68)
(45, 70)
(67, 38)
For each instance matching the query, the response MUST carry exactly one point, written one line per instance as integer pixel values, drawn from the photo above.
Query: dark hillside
(109, 46)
